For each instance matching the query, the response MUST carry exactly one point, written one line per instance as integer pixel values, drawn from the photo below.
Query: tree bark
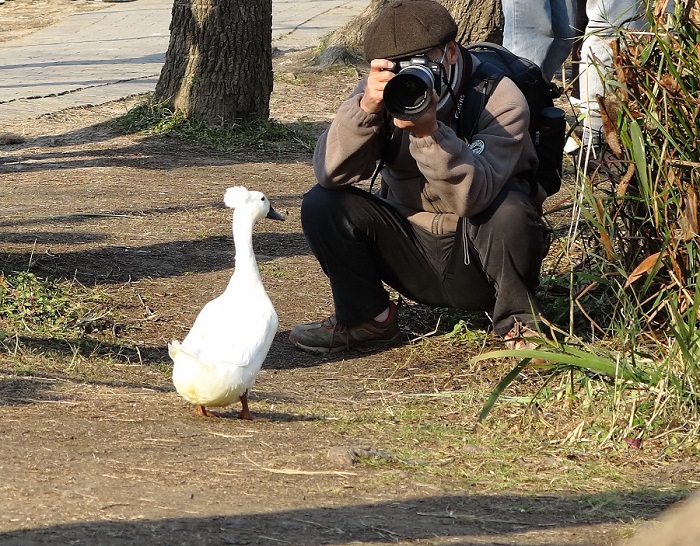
(477, 21)
(218, 66)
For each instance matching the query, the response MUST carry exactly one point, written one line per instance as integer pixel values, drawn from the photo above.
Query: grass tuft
(268, 135)
(30, 305)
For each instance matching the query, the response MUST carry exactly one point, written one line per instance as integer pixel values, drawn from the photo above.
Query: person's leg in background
(579, 30)
(605, 18)
(540, 30)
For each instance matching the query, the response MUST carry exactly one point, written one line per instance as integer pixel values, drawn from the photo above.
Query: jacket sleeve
(464, 178)
(348, 151)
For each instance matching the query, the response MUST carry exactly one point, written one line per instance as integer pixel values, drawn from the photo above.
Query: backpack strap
(484, 81)
(474, 97)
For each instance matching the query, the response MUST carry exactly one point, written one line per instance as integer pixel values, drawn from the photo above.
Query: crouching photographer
(453, 222)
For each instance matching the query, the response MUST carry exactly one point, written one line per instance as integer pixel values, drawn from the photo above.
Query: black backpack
(547, 124)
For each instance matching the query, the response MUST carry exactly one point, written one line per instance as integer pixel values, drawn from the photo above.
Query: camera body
(409, 93)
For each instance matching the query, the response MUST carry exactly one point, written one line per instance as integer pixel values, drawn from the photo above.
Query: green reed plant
(635, 253)
(644, 202)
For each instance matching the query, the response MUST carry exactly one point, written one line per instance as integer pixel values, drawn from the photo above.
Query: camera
(408, 94)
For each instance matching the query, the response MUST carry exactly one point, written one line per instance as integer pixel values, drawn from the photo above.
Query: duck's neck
(246, 266)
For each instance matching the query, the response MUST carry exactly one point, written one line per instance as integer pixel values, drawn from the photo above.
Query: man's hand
(379, 74)
(425, 125)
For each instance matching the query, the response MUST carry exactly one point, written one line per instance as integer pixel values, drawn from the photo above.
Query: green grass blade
(502, 385)
(573, 357)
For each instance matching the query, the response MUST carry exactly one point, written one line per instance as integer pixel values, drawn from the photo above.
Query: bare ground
(97, 448)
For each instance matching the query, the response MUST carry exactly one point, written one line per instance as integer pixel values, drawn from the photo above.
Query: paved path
(104, 55)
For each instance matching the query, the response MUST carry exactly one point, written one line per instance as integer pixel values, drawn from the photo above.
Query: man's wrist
(425, 133)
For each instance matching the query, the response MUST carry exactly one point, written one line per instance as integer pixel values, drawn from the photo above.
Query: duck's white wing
(229, 334)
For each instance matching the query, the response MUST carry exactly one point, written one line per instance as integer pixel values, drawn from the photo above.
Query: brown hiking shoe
(330, 336)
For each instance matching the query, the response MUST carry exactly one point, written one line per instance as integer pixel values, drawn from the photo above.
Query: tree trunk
(477, 21)
(219, 61)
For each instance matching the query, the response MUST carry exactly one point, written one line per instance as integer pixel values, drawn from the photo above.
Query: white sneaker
(571, 146)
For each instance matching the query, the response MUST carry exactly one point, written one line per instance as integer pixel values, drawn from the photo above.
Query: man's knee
(332, 206)
(315, 201)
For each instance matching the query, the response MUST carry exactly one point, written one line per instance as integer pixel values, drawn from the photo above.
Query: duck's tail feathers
(176, 348)
(173, 348)
(180, 354)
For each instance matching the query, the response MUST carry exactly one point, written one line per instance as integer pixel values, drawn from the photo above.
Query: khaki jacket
(437, 179)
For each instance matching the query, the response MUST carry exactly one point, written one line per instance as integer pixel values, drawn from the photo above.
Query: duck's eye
(262, 198)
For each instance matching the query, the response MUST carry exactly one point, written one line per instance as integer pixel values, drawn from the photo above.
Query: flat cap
(407, 27)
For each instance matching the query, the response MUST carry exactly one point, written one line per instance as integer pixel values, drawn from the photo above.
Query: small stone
(342, 456)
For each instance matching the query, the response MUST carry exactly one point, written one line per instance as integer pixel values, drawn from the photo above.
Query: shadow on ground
(145, 154)
(457, 519)
(118, 264)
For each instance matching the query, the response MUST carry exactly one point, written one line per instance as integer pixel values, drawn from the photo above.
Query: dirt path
(97, 448)
(101, 450)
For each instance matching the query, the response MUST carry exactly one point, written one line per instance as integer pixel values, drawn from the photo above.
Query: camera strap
(377, 170)
(382, 161)
(388, 134)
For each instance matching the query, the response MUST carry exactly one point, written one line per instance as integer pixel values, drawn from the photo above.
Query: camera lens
(408, 94)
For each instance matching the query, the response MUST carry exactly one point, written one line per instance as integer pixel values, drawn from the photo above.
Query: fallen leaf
(634, 443)
(647, 263)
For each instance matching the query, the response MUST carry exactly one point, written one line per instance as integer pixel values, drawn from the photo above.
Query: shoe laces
(332, 324)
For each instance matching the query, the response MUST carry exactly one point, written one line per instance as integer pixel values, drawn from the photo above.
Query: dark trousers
(491, 263)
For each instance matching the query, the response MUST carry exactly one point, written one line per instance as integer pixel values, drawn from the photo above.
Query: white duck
(218, 361)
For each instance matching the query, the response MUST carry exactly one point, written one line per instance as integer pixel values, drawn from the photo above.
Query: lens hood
(409, 93)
